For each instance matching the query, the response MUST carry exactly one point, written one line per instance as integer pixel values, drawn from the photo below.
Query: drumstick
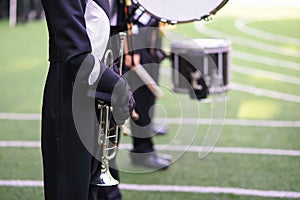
(139, 69)
(148, 80)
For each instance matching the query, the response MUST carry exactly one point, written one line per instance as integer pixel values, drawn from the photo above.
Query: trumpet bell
(104, 178)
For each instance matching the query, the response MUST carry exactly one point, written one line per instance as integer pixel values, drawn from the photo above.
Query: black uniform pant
(67, 164)
(145, 100)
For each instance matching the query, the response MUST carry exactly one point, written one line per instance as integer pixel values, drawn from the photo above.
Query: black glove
(115, 90)
(125, 102)
(110, 87)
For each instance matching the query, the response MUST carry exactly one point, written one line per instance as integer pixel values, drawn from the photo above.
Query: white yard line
(247, 42)
(194, 121)
(273, 62)
(243, 27)
(264, 92)
(20, 116)
(211, 190)
(231, 122)
(174, 188)
(223, 150)
(22, 183)
(232, 150)
(23, 144)
(265, 74)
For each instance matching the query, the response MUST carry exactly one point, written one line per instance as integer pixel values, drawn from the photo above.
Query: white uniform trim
(95, 72)
(98, 29)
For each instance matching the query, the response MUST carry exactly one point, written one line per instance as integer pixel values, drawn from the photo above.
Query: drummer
(146, 34)
(143, 152)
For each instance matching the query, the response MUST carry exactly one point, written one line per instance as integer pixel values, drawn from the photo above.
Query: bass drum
(171, 11)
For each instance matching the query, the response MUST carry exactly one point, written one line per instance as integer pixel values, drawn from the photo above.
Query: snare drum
(201, 63)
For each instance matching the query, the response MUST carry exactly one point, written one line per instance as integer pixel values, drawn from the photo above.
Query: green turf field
(257, 150)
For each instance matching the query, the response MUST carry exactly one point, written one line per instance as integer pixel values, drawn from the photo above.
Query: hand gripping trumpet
(108, 133)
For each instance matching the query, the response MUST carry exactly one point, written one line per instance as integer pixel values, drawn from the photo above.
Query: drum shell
(210, 56)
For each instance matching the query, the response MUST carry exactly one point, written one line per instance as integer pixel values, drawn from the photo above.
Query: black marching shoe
(159, 129)
(151, 160)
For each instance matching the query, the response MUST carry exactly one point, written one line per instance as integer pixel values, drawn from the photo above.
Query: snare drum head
(176, 11)
(207, 45)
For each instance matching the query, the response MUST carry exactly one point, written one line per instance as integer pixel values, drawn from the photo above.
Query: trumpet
(108, 133)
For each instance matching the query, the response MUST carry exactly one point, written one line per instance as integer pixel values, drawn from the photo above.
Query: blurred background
(256, 140)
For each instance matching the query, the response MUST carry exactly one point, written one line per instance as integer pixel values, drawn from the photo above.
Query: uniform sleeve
(67, 29)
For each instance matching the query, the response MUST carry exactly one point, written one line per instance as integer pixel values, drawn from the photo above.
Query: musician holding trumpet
(78, 34)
